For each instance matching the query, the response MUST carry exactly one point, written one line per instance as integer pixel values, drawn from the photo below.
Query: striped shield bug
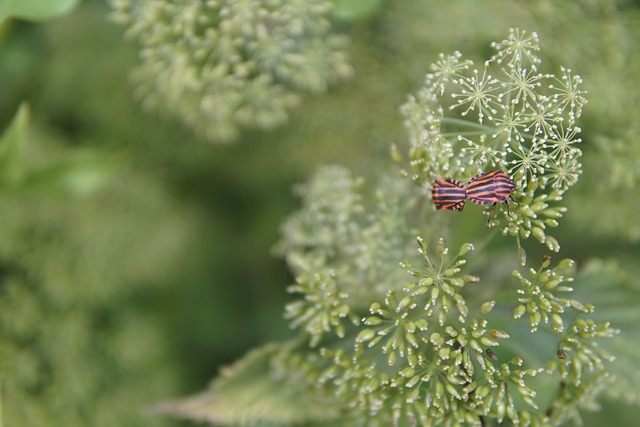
(490, 187)
(448, 194)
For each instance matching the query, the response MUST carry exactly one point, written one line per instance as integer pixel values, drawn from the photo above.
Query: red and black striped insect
(491, 187)
(483, 189)
(448, 194)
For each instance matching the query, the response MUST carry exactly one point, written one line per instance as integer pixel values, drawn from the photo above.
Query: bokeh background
(145, 264)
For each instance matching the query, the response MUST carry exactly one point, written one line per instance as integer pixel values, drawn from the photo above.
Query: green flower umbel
(502, 114)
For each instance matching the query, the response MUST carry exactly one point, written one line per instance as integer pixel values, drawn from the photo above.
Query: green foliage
(35, 10)
(78, 346)
(99, 213)
(619, 291)
(223, 65)
(445, 347)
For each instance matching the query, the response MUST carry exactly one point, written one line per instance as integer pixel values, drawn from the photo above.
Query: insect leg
(493, 206)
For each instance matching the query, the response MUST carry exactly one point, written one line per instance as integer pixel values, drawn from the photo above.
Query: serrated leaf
(249, 393)
(35, 10)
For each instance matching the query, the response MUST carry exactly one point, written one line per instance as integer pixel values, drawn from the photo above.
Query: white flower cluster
(504, 114)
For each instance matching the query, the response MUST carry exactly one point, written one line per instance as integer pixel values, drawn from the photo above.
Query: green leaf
(78, 173)
(75, 173)
(617, 299)
(251, 393)
(35, 10)
(11, 146)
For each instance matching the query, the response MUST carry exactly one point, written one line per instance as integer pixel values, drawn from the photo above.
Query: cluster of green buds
(441, 280)
(443, 366)
(323, 308)
(578, 350)
(536, 215)
(402, 322)
(538, 295)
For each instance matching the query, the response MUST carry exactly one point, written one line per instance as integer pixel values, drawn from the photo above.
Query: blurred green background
(152, 268)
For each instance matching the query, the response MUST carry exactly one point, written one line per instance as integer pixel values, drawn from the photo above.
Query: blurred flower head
(223, 65)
